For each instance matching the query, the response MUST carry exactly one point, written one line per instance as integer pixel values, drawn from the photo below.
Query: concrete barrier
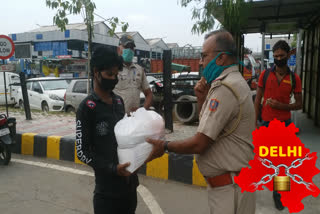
(182, 168)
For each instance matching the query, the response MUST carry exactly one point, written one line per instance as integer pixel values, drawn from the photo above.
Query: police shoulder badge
(91, 104)
(214, 103)
(119, 101)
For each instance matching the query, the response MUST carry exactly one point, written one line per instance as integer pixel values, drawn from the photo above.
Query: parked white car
(75, 93)
(45, 93)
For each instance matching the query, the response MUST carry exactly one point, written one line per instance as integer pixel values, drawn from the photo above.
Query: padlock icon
(281, 183)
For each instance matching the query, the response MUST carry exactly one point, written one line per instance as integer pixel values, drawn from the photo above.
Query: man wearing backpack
(276, 85)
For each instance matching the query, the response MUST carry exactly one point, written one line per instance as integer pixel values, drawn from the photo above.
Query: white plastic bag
(131, 133)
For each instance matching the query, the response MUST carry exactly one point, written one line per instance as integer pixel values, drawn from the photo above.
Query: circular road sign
(6, 47)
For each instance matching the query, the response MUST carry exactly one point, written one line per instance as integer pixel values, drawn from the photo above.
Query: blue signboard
(268, 46)
(292, 60)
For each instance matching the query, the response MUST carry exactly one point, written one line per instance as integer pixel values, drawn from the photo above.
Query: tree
(86, 9)
(247, 50)
(294, 42)
(235, 14)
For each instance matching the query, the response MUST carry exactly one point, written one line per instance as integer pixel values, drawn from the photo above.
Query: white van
(12, 90)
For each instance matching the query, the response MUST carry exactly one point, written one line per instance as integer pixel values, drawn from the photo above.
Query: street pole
(298, 54)
(25, 96)
(167, 89)
(5, 89)
(262, 51)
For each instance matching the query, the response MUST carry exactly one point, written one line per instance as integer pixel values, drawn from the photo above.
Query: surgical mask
(108, 84)
(212, 71)
(127, 55)
(281, 62)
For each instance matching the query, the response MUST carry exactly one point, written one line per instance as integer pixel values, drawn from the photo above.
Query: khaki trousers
(229, 200)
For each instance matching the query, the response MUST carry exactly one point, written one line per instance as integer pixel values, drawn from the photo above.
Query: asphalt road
(32, 185)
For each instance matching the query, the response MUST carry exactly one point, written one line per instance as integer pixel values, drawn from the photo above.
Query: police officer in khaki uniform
(223, 140)
(132, 79)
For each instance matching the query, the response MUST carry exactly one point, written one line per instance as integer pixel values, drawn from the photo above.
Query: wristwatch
(165, 146)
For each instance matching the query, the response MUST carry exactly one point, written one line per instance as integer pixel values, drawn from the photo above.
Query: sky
(164, 19)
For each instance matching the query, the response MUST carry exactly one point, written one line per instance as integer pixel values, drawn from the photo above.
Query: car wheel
(70, 109)
(45, 107)
(21, 105)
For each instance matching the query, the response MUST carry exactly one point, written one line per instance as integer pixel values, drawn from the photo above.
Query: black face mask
(281, 62)
(108, 84)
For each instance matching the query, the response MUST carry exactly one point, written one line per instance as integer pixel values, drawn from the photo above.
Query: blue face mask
(212, 70)
(127, 55)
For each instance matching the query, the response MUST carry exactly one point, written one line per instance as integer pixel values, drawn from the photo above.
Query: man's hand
(201, 89)
(273, 103)
(121, 169)
(157, 151)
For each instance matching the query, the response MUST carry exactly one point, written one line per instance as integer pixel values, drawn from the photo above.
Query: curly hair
(105, 58)
(281, 44)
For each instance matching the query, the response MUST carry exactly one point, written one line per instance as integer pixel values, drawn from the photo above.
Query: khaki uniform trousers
(228, 199)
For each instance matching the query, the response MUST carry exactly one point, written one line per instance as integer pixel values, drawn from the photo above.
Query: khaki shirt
(132, 80)
(218, 115)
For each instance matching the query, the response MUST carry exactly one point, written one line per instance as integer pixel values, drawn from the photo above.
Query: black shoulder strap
(293, 81)
(265, 77)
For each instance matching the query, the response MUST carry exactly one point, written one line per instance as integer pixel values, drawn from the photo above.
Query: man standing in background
(276, 85)
(132, 79)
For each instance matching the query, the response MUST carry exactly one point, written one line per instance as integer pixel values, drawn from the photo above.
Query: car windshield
(54, 84)
(15, 79)
(188, 82)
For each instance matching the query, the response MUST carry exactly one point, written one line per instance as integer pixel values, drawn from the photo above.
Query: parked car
(75, 93)
(184, 87)
(45, 93)
(251, 70)
(12, 86)
(156, 87)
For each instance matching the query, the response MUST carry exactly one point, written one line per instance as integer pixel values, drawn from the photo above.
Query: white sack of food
(136, 155)
(131, 133)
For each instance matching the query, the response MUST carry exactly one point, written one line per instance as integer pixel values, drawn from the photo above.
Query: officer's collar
(132, 65)
(226, 72)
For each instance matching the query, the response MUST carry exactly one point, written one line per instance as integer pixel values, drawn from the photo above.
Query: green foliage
(294, 42)
(247, 50)
(235, 14)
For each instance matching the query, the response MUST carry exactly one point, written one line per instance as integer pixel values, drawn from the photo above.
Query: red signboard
(64, 57)
(6, 47)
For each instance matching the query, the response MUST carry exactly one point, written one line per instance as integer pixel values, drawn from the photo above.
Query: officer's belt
(221, 180)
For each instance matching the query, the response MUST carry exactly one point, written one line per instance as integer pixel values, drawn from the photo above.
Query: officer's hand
(121, 169)
(157, 151)
(201, 89)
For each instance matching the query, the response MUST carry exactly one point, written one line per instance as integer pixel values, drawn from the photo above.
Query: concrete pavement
(30, 189)
(173, 197)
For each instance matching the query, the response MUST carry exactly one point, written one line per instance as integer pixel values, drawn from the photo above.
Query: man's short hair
(224, 42)
(104, 58)
(281, 44)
